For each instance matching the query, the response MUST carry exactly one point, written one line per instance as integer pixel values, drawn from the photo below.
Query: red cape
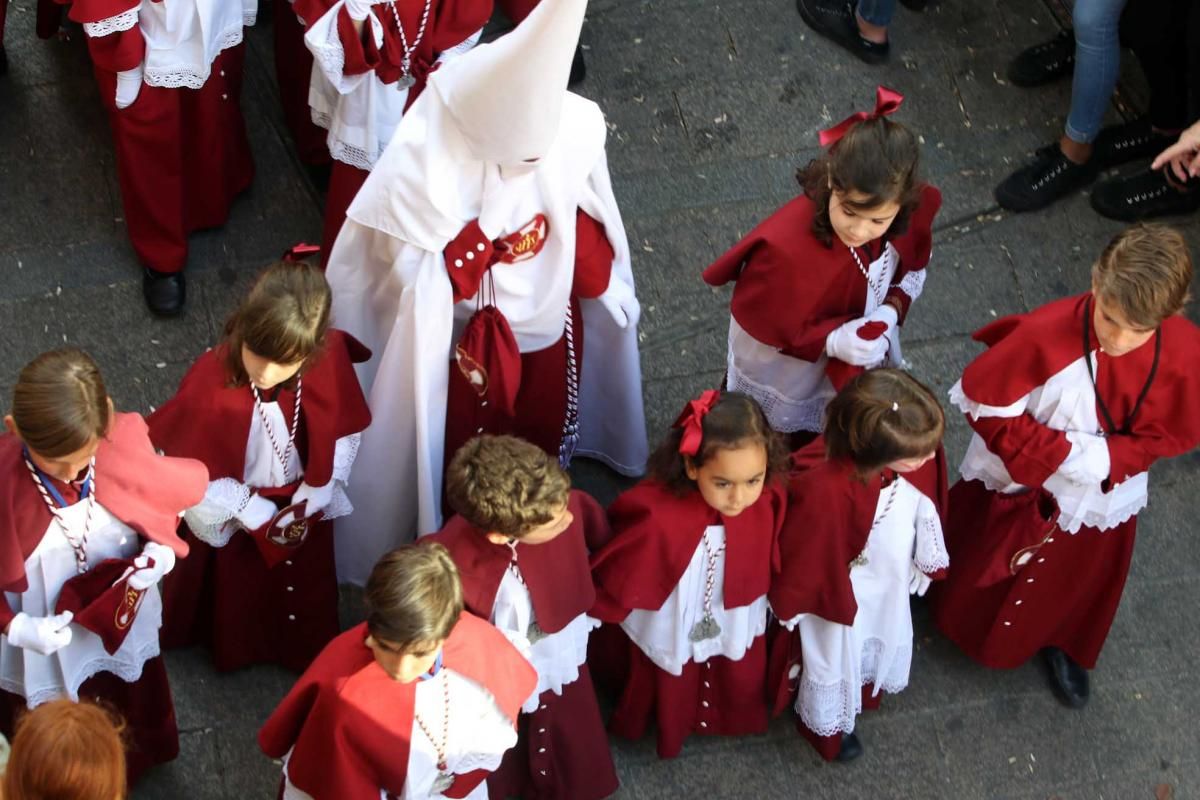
(555, 572)
(656, 534)
(144, 490)
(829, 519)
(209, 420)
(348, 723)
(1026, 350)
(792, 290)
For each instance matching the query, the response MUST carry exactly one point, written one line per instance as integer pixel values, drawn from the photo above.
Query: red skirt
(182, 158)
(718, 697)
(151, 735)
(1066, 596)
(293, 73)
(344, 183)
(246, 613)
(561, 752)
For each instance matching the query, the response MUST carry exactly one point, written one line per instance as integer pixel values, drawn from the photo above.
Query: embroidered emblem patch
(472, 370)
(128, 608)
(525, 243)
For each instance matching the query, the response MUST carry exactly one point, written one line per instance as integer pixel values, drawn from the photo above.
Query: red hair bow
(692, 421)
(886, 102)
(301, 251)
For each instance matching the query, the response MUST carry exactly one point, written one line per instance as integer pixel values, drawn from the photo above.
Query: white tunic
(40, 678)
(556, 656)
(1065, 402)
(664, 635)
(876, 650)
(793, 392)
(478, 736)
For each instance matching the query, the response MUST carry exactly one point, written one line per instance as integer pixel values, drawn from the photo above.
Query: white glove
(316, 497)
(129, 84)
(1088, 462)
(621, 303)
(256, 513)
(918, 582)
(42, 635)
(358, 9)
(888, 315)
(845, 343)
(148, 574)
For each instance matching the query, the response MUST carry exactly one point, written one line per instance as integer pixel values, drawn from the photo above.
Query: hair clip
(895, 406)
(692, 421)
(886, 102)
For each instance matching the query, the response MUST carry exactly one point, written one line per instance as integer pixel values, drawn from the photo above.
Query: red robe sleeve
(594, 256)
(1031, 451)
(915, 245)
(117, 51)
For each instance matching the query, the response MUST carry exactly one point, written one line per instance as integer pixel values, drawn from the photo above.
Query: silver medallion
(442, 782)
(706, 628)
(405, 81)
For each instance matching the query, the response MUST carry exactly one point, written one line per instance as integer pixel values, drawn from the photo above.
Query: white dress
(876, 651)
(664, 635)
(40, 678)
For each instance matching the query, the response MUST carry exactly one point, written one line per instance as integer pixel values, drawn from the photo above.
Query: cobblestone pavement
(711, 107)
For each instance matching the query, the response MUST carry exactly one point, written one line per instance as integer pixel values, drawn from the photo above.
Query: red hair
(66, 751)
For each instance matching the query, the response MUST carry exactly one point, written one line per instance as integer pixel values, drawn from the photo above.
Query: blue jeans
(877, 12)
(1097, 65)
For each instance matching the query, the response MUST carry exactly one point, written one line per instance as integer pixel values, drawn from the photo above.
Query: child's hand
(256, 513)
(1088, 462)
(859, 342)
(918, 582)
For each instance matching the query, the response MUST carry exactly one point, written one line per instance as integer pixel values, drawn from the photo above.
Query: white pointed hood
(506, 96)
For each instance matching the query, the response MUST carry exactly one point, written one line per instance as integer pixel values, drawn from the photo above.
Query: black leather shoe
(1049, 177)
(1045, 62)
(851, 747)
(1145, 195)
(578, 68)
(836, 21)
(1070, 681)
(1129, 141)
(165, 292)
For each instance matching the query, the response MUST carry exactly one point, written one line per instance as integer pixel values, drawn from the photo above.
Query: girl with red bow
(687, 571)
(824, 283)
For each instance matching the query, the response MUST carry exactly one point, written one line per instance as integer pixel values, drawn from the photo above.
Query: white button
(1029, 580)
(222, 73)
(224, 96)
(707, 685)
(291, 588)
(541, 749)
(1009, 624)
(289, 563)
(458, 263)
(1019, 602)
(470, 255)
(480, 430)
(1049, 540)
(707, 665)
(541, 708)
(703, 724)
(292, 617)
(483, 404)
(704, 703)
(480, 247)
(542, 771)
(1040, 560)
(541, 730)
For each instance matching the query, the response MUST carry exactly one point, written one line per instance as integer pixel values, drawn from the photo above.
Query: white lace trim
(208, 520)
(912, 284)
(193, 77)
(116, 24)
(462, 47)
(345, 450)
(930, 553)
(968, 406)
(125, 670)
(348, 153)
(784, 414)
(331, 57)
(830, 709)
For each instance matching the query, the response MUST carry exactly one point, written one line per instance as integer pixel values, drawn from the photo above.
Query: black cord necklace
(1127, 428)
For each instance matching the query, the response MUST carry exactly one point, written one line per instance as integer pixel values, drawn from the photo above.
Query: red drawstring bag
(102, 601)
(489, 361)
(277, 543)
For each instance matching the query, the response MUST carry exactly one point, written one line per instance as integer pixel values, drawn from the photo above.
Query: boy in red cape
(419, 701)
(1070, 405)
(521, 541)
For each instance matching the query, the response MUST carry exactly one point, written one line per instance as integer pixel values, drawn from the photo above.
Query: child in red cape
(276, 413)
(823, 284)
(520, 540)
(419, 701)
(1070, 405)
(863, 531)
(687, 572)
(82, 485)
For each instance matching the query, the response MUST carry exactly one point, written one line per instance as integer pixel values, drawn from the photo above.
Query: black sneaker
(1145, 195)
(1051, 175)
(165, 292)
(835, 20)
(1129, 141)
(851, 748)
(1068, 679)
(1045, 62)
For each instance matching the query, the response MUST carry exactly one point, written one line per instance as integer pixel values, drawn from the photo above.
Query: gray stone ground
(711, 107)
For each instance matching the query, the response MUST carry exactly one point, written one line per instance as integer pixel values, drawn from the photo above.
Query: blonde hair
(66, 751)
(505, 485)
(413, 596)
(1146, 272)
(59, 403)
(881, 416)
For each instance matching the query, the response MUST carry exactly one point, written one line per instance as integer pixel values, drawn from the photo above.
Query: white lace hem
(194, 77)
(109, 25)
(783, 413)
(830, 709)
(123, 669)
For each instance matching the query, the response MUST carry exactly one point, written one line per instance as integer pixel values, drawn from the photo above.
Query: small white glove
(844, 343)
(918, 582)
(621, 303)
(1088, 462)
(888, 315)
(256, 513)
(148, 574)
(358, 9)
(316, 497)
(42, 635)
(129, 84)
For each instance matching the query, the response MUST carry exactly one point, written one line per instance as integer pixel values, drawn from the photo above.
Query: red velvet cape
(555, 572)
(349, 724)
(210, 420)
(142, 489)
(829, 518)
(656, 533)
(792, 290)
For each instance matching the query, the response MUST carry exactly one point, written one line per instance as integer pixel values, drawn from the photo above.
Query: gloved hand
(358, 9)
(42, 635)
(1088, 462)
(316, 497)
(888, 315)
(155, 561)
(849, 344)
(256, 513)
(918, 582)
(129, 84)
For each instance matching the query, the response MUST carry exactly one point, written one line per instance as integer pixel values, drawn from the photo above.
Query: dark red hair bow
(301, 251)
(886, 102)
(692, 421)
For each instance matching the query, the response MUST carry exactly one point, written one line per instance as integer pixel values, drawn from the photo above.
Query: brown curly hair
(877, 158)
(881, 416)
(502, 484)
(734, 421)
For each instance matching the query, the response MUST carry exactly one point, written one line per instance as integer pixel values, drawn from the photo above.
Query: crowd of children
(766, 560)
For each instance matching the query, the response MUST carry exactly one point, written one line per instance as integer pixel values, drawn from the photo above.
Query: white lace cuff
(209, 520)
(121, 22)
(968, 406)
(345, 450)
(912, 284)
(929, 554)
(460, 48)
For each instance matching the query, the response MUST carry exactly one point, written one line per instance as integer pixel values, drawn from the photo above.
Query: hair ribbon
(886, 102)
(692, 421)
(301, 251)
